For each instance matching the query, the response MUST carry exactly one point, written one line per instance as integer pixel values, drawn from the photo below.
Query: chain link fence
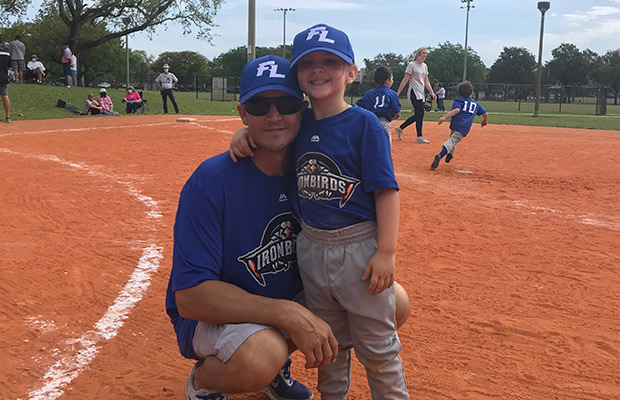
(511, 98)
(586, 100)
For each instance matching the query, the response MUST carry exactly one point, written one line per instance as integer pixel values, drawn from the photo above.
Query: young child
(347, 200)
(464, 109)
(441, 95)
(382, 101)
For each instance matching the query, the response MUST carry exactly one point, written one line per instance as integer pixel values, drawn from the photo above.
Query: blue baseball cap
(268, 73)
(322, 37)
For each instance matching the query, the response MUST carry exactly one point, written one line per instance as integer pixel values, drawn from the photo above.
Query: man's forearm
(221, 303)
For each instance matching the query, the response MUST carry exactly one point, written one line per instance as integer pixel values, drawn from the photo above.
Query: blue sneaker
(283, 387)
(201, 394)
(449, 157)
(436, 161)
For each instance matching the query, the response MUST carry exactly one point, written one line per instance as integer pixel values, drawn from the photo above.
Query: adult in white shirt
(36, 68)
(416, 74)
(74, 70)
(165, 81)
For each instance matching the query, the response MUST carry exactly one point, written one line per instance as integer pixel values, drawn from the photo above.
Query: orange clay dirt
(510, 254)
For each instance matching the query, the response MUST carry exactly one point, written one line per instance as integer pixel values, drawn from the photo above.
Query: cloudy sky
(401, 26)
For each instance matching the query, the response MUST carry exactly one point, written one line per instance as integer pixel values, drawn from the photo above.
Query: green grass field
(30, 101)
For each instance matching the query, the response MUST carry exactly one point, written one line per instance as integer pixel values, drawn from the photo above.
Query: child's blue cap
(322, 37)
(268, 73)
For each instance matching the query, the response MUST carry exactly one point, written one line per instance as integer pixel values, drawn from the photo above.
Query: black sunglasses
(261, 105)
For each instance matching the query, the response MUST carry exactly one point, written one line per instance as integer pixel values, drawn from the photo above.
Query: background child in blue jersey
(464, 109)
(382, 100)
(347, 200)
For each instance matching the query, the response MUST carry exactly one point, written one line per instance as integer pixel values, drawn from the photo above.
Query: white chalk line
(126, 126)
(605, 221)
(86, 129)
(81, 351)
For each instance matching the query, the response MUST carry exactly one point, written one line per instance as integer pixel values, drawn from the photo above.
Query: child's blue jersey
(382, 101)
(341, 160)
(462, 121)
(234, 224)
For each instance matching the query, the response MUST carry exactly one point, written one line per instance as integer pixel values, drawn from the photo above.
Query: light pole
(126, 21)
(543, 6)
(251, 30)
(469, 6)
(284, 29)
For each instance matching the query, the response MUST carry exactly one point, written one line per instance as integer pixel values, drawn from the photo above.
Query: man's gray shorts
(222, 340)
(4, 90)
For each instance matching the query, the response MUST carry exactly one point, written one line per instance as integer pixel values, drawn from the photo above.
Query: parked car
(104, 85)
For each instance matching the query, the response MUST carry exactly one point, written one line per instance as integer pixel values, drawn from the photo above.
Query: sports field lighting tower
(284, 10)
(127, 21)
(251, 30)
(468, 6)
(543, 6)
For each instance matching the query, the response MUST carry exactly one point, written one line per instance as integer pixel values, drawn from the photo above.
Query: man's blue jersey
(382, 101)
(234, 224)
(462, 121)
(341, 160)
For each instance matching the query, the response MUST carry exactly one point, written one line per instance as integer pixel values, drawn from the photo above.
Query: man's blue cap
(268, 73)
(322, 37)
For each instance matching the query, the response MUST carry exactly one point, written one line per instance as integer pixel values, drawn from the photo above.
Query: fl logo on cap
(270, 66)
(322, 32)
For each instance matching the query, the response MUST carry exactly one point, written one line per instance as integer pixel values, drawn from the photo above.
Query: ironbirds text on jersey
(276, 251)
(341, 161)
(319, 177)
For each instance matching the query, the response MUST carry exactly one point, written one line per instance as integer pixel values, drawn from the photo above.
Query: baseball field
(510, 255)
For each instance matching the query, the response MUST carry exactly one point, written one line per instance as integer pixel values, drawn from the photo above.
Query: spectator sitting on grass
(92, 106)
(106, 103)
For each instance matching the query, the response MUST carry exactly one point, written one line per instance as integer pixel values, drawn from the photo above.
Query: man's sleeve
(198, 231)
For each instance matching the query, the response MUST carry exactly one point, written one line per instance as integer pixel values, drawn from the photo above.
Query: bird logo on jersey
(319, 177)
(276, 251)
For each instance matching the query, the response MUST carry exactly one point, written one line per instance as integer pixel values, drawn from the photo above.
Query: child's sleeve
(394, 104)
(361, 102)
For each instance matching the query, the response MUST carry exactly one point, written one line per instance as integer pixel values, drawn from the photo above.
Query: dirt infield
(510, 254)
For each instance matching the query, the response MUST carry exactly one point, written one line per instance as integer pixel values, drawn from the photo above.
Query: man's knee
(403, 306)
(260, 358)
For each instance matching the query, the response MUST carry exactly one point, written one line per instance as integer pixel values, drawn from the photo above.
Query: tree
(44, 37)
(184, 64)
(514, 66)
(396, 62)
(232, 62)
(123, 17)
(12, 8)
(140, 63)
(445, 63)
(607, 71)
(570, 67)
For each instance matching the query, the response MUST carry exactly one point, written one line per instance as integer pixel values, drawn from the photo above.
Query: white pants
(331, 264)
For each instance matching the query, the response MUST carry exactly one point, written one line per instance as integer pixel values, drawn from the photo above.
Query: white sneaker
(399, 132)
(202, 394)
(421, 139)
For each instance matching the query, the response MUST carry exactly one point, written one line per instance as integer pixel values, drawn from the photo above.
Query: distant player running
(464, 109)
